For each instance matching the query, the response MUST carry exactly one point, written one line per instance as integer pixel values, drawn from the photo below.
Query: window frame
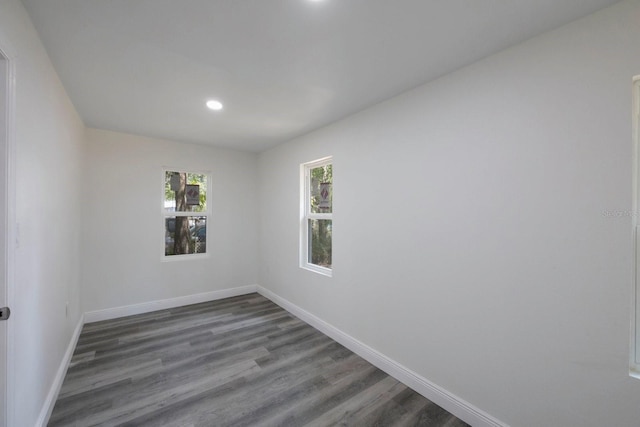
(165, 215)
(306, 215)
(634, 356)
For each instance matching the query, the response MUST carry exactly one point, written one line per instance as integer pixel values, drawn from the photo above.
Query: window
(185, 213)
(316, 216)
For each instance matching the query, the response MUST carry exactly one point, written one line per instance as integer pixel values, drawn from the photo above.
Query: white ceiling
(281, 67)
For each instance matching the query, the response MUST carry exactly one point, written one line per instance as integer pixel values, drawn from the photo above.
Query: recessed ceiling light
(214, 104)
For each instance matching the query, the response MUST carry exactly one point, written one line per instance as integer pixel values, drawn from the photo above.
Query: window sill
(317, 269)
(186, 257)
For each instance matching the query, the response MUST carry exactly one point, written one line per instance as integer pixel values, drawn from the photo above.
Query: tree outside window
(185, 213)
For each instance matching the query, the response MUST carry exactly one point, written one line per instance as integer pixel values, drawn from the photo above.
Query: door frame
(7, 221)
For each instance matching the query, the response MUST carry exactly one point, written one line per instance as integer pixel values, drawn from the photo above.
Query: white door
(4, 100)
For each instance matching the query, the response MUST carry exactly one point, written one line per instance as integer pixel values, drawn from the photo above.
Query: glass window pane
(320, 242)
(321, 189)
(185, 192)
(185, 235)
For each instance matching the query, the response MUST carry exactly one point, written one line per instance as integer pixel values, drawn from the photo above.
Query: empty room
(319, 212)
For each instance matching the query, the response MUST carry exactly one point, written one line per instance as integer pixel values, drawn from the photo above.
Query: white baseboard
(458, 407)
(50, 401)
(147, 307)
(455, 405)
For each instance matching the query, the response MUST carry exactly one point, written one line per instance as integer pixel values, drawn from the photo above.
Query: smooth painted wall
(123, 233)
(480, 234)
(49, 146)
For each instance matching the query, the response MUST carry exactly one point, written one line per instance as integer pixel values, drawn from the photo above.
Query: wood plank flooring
(240, 361)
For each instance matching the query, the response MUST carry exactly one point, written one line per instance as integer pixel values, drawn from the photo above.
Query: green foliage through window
(318, 212)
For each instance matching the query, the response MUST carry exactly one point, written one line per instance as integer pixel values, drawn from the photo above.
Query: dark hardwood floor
(240, 361)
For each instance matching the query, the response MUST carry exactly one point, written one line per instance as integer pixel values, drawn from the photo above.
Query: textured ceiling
(281, 67)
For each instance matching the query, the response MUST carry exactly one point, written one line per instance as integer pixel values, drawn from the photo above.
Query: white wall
(49, 145)
(471, 237)
(123, 228)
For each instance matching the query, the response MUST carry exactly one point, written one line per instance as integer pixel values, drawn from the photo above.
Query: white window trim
(634, 359)
(165, 215)
(305, 215)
